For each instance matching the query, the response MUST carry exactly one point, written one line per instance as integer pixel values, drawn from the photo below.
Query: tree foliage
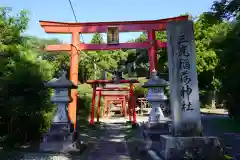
(25, 105)
(225, 9)
(227, 49)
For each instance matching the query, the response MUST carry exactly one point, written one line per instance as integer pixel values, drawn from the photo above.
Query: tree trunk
(213, 99)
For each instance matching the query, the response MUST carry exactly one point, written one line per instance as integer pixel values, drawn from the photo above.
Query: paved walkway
(112, 145)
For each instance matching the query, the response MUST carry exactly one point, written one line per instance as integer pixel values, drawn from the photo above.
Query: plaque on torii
(112, 35)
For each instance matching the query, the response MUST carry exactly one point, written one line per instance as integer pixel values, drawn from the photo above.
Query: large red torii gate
(92, 27)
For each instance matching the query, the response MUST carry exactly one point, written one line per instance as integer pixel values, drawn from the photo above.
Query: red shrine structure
(112, 29)
(110, 98)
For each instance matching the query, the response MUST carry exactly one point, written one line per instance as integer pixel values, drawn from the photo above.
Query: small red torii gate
(100, 27)
(131, 100)
(114, 96)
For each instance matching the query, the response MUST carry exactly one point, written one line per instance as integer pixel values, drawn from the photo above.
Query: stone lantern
(59, 137)
(156, 98)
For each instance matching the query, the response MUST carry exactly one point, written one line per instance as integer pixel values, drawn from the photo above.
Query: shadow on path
(112, 145)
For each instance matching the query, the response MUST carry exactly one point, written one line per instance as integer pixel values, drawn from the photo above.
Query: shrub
(139, 91)
(26, 110)
(84, 107)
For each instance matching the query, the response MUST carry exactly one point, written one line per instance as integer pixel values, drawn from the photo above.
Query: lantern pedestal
(59, 139)
(157, 117)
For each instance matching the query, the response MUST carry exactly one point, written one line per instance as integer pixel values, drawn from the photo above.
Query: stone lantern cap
(155, 81)
(61, 82)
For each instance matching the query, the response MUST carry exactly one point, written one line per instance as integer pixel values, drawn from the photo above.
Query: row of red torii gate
(120, 96)
(112, 29)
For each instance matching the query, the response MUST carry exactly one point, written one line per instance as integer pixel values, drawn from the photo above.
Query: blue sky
(102, 10)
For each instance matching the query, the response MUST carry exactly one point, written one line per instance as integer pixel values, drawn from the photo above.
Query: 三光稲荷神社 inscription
(185, 67)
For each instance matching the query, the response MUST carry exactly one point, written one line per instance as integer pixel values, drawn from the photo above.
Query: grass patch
(228, 125)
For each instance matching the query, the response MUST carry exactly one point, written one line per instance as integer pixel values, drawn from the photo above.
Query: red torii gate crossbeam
(131, 103)
(113, 89)
(92, 27)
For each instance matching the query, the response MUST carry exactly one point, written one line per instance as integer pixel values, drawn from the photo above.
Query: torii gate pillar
(152, 51)
(72, 108)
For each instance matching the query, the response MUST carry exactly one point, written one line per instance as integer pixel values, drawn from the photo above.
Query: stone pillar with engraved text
(186, 139)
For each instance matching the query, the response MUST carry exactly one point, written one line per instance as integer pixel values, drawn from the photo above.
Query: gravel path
(112, 145)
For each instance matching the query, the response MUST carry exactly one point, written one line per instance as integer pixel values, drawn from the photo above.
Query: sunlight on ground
(214, 111)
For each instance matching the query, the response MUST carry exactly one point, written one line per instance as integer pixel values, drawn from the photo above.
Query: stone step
(59, 132)
(54, 136)
(60, 127)
(60, 146)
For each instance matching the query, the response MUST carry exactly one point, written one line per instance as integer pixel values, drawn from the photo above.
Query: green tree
(104, 60)
(207, 58)
(225, 9)
(25, 110)
(11, 27)
(228, 50)
(226, 47)
(97, 39)
(59, 60)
